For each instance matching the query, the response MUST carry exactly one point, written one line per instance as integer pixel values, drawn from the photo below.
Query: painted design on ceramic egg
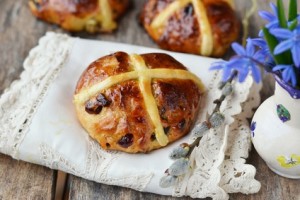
(288, 162)
(252, 128)
(283, 114)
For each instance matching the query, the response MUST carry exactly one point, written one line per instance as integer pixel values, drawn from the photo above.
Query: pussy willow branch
(218, 103)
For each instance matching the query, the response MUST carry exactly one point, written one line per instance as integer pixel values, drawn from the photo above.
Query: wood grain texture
(83, 189)
(20, 180)
(19, 32)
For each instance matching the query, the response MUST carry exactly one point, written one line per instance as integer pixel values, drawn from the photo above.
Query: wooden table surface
(19, 32)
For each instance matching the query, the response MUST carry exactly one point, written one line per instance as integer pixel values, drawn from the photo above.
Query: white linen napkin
(38, 124)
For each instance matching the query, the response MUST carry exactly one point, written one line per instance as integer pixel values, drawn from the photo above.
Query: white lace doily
(38, 124)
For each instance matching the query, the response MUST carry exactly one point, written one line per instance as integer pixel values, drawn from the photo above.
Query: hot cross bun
(79, 15)
(205, 27)
(137, 103)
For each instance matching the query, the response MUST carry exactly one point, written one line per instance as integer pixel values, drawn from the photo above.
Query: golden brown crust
(118, 7)
(161, 60)
(182, 32)
(100, 69)
(225, 25)
(122, 121)
(78, 15)
(177, 103)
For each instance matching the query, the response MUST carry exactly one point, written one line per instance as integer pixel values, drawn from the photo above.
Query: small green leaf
(272, 43)
(281, 14)
(284, 58)
(288, 59)
(293, 24)
(293, 10)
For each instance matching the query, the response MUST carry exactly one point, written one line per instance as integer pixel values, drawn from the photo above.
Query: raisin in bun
(205, 27)
(79, 15)
(137, 103)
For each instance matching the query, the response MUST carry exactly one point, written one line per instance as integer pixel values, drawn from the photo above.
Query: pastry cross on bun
(205, 27)
(137, 103)
(79, 15)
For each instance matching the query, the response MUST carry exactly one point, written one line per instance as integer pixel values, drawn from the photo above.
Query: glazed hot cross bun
(137, 103)
(205, 27)
(79, 15)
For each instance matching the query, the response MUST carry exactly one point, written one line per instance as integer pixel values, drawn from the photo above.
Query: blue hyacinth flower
(288, 73)
(272, 18)
(223, 66)
(264, 53)
(291, 41)
(246, 60)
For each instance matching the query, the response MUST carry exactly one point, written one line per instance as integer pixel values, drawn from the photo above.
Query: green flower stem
(281, 14)
(293, 10)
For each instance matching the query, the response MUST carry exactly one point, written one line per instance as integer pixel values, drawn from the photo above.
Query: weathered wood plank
(20, 180)
(18, 34)
(83, 189)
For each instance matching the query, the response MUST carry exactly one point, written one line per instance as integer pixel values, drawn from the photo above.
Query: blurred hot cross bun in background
(205, 27)
(80, 15)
